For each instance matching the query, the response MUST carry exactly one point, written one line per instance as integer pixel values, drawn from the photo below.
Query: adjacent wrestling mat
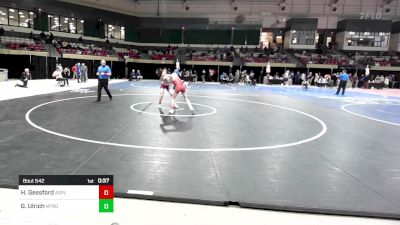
(261, 147)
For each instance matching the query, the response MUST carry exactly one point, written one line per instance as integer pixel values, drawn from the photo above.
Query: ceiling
(253, 11)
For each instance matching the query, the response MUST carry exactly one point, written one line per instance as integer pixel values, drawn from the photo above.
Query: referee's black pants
(342, 85)
(103, 83)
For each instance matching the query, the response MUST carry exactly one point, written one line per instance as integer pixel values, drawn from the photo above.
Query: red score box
(106, 192)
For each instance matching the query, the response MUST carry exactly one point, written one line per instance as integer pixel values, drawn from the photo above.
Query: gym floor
(269, 147)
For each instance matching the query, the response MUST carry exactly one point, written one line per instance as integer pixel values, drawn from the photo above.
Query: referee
(104, 73)
(344, 77)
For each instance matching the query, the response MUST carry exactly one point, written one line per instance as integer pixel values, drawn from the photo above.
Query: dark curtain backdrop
(16, 65)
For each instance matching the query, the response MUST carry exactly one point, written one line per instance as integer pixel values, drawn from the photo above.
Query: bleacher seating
(81, 49)
(163, 54)
(127, 53)
(205, 56)
(258, 57)
(16, 43)
(312, 57)
(381, 60)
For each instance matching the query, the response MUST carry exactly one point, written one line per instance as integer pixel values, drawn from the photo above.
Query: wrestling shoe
(171, 111)
(159, 106)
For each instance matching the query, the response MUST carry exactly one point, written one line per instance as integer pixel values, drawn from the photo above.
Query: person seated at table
(132, 75)
(138, 75)
(223, 78)
(59, 77)
(386, 81)
(307, 82)
(24, 78)
(231, 78)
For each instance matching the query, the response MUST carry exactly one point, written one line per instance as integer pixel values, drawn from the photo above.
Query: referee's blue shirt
(104, 69)
(344, 77)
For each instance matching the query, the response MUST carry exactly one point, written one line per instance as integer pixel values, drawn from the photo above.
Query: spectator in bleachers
(24, 78)
(1, 31)
(42, 35)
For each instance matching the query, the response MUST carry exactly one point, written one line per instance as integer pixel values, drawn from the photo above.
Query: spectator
(24, 78)
(386, 81)
(203, 75)
(74, 71)
(354, 80)
(42, 35)
(1, 31)
(78, 73)
(84, 73)
(51, 37)
(67, 72)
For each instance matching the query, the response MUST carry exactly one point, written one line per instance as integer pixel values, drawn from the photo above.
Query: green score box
(106, 205)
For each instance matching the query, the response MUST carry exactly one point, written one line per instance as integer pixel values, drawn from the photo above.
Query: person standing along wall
(104, 73)
(74, 70)
(79, 73)
(84, 73)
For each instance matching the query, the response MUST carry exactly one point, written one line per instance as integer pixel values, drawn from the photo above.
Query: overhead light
(82, 21)
(12, 10)
(20, 13)
(22, 16)
(11, 17)
(30, 13)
